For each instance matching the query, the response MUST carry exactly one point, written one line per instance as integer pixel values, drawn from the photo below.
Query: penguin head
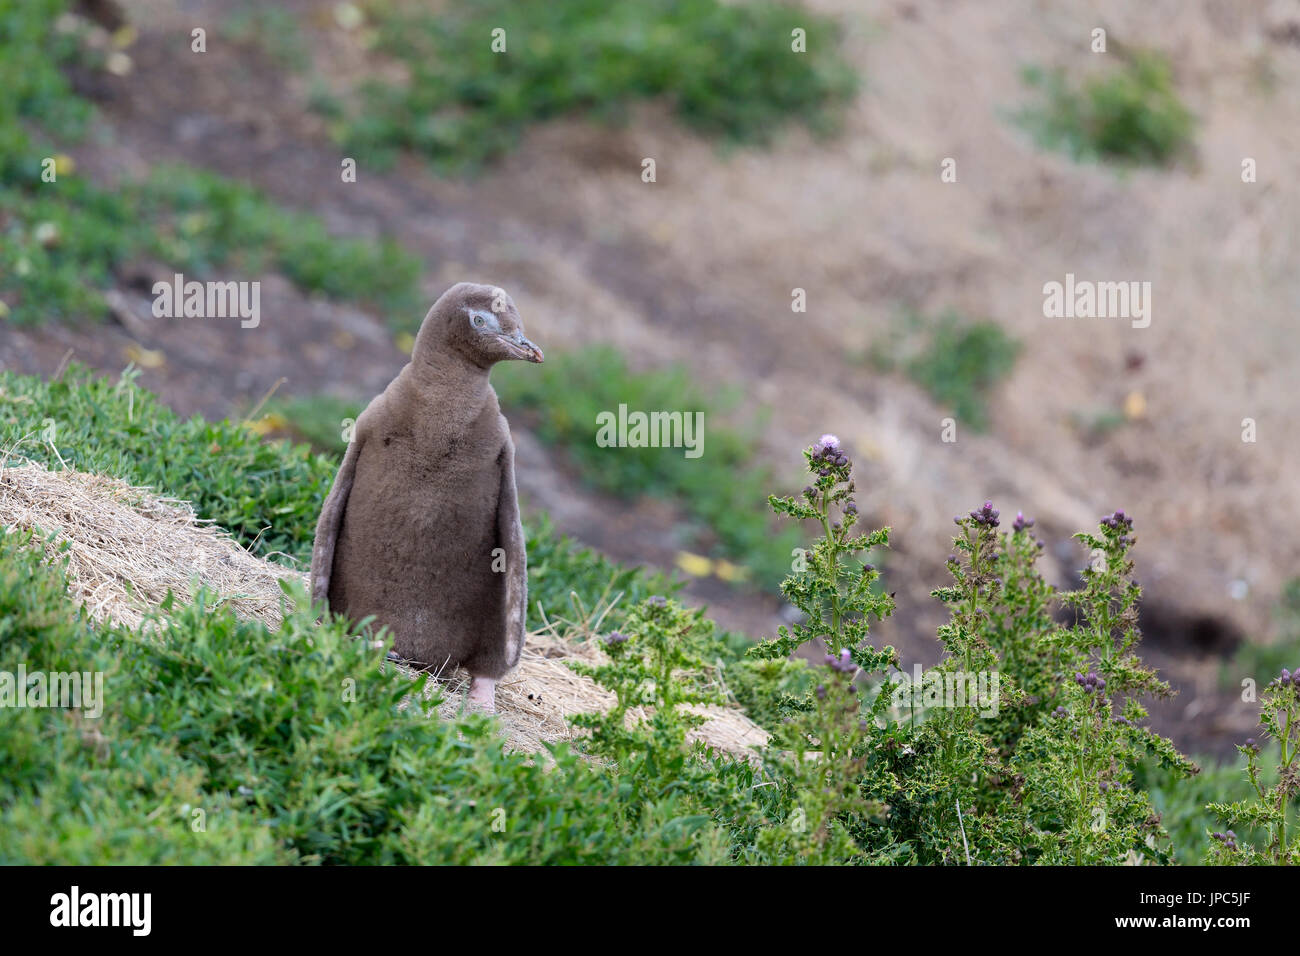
(477, 322)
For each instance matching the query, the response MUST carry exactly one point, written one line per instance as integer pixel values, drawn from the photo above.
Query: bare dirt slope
(699, 267)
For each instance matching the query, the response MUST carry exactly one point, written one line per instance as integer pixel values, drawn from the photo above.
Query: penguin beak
(523, 349)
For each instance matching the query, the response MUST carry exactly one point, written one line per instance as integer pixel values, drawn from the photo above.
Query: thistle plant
(829, 583)
(1280, 719)
(1078, 764)
(1018, 625)
(822, 771)
(654, 666)
(976, 587)
(953, 793)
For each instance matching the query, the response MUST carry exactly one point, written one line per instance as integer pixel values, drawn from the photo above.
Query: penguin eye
(477, 320)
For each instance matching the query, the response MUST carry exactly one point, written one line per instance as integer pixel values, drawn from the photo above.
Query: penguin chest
(451, 493)
(421, 522)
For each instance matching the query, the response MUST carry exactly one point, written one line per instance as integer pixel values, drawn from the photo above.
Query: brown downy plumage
(421, 529)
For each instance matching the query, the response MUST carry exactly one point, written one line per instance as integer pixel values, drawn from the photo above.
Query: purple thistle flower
(986, 516)
(843, 664)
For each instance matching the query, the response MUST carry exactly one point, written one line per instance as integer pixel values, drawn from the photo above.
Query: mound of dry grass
(126, 548)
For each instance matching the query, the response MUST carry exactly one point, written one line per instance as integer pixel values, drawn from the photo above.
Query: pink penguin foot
(482, 695)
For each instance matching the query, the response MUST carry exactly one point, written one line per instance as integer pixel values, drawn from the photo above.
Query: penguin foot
(482, 695)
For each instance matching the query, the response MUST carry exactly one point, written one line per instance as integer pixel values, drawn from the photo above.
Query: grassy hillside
(223, 741)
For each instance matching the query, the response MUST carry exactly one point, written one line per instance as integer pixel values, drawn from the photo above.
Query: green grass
(724, 489)
(65, 240)
(61, 241)
(272, 30)
(1131, 115)
(727, 70)
(957, 362)
(1181, 802)
(230, 744)
(316, 419)
(31, 53)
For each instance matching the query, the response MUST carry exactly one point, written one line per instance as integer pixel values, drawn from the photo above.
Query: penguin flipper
(510, 538)
(331, 520)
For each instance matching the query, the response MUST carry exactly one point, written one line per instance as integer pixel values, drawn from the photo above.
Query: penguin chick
(421, 528)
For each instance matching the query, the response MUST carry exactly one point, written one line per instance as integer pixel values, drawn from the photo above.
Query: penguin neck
(445, 373)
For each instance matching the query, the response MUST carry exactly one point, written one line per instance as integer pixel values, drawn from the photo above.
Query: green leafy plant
(1019, 625)
(1031, 765)
(1079, 764)
(655, 666)
(821, 774)
(726, 70)
(834, 765)
(957, 362)
(1130, 116)
(831, 585)
(1270, 807)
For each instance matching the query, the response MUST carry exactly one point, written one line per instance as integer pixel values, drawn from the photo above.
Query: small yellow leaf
(268, 423)
(64, 165)
(145, 358)
(728, 571)
(404, 341)
(695, 565)
(1135, 406)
